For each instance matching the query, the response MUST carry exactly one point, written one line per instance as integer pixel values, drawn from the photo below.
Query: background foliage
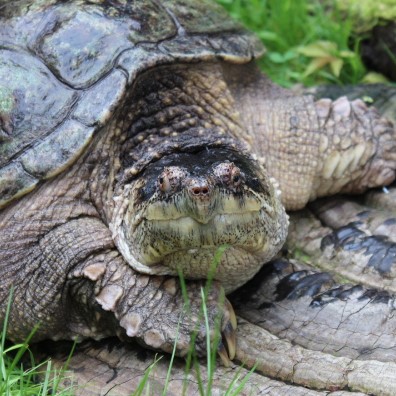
(311, 41)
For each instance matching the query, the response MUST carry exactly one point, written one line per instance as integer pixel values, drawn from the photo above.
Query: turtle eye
(171, 178)
(236, 176)
(164, 183)
(229, 174)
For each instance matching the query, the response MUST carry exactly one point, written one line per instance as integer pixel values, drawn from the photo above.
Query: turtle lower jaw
(236, 267)
(167, 247)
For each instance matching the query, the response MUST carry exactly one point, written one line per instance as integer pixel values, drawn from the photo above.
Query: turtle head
(185, 206)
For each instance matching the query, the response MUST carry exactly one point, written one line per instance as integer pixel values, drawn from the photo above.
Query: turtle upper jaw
(204, 210)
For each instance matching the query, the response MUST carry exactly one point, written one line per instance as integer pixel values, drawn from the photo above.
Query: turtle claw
(223, 355)
(230, 339)
(231, 312)
(159, 332)
(227, 347)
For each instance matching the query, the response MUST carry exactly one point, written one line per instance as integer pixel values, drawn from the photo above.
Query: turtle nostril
(200, 190)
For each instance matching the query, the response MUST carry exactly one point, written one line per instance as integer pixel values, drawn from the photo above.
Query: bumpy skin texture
(113, 151)
(381, 96)
(329, 145)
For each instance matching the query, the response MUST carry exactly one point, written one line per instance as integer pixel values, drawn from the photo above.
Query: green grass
(306, 42)
(20, 375)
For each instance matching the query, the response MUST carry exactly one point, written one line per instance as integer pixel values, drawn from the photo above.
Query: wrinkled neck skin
(175, 180)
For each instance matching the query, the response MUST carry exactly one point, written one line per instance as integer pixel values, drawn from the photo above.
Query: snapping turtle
(136, 139)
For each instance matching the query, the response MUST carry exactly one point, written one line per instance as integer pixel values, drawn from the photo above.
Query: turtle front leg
(77, 285)
(113, 298)
(314, 148)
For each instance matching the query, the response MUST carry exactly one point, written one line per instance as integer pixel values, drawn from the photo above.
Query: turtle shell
(66, 66)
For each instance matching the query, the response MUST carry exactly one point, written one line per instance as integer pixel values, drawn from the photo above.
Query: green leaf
(346, 54)
(318, 49)
(269, 36)
(374, 78)
(336, 66)
(278, 57)
(316, 64)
